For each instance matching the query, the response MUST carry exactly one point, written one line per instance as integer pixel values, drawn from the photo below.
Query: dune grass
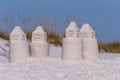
(53, 37)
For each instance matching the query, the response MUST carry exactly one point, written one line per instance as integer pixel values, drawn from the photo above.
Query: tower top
(72, 30)
(86, 28)
(39, 29)
(87, 32)
(72, 26)
(17, 30)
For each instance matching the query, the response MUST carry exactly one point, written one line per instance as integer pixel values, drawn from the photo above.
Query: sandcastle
(39, 45)
(19, 48)
(79, 44)
(72, 44)
(90, 45)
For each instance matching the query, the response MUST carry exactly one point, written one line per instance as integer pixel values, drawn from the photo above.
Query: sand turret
(72, 44)
(90, 45)
(19, 48)
(39, 45)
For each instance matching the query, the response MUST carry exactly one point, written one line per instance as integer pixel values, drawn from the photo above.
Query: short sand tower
(90, 45)
(39, 45)
(72, 44)
(19, 48)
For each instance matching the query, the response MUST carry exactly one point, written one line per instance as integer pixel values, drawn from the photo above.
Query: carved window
(23, 37)
(84, 34)
(15, 37)
(77, 33)
(37, 36)
(93, 35)
(70, 34)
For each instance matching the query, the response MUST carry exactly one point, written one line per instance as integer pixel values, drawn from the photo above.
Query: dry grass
(113, 47)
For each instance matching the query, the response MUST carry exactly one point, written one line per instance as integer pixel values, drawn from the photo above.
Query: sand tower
(39, 45)
(72, 44)
(90, 45)
(19, 48)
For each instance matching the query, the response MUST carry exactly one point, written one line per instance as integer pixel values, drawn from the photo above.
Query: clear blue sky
(102, 15)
